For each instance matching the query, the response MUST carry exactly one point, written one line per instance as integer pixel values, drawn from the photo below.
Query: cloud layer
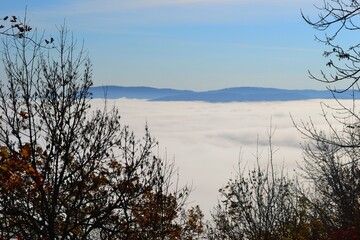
(206, 140)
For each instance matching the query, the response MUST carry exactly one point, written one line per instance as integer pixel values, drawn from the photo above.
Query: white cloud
(206, 138)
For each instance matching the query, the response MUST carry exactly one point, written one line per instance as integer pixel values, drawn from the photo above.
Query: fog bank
(207, 140)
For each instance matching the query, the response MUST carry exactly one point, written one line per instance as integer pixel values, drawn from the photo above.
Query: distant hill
(236, 94)
(113, 92)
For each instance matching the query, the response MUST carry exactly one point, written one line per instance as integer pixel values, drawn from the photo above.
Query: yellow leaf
(4, 152)
(4, 167)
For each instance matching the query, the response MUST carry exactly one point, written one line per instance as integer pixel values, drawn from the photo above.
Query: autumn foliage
(16, 170)
(68, 171)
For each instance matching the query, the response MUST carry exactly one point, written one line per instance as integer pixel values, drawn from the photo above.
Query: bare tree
(332, 157)
(332, 169)
(73, 174)
(260, 203)
(336, 18)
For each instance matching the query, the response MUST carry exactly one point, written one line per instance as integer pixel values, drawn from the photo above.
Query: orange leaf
(25, 151)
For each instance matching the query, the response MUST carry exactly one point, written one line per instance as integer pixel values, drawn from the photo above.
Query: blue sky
(188, 44)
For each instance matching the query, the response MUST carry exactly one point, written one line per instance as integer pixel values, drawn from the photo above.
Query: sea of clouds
(207, 140)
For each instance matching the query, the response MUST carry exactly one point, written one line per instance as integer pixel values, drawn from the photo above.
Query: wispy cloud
(82, 7)
(121, 12)
(279, 48)
(113, 5)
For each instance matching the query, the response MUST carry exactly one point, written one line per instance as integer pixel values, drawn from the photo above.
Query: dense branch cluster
(69, 173)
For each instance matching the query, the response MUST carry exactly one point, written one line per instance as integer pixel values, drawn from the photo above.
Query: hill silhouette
(236, 94)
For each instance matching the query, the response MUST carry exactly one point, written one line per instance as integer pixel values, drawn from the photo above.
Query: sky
(188, 44)
(198, 45)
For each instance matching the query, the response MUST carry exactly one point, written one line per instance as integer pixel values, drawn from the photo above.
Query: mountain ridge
(234, 94)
